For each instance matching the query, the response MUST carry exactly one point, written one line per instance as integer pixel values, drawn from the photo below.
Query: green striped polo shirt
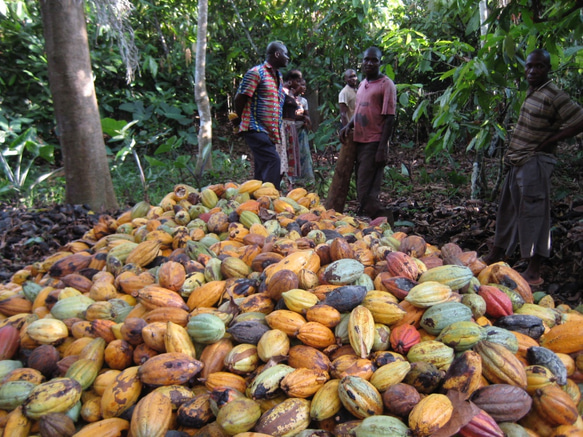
(545, 111)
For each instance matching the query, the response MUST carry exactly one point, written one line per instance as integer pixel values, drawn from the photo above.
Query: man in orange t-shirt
(372, 125)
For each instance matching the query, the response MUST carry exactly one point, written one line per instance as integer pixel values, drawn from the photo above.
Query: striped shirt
(263, 112)
(545, 111)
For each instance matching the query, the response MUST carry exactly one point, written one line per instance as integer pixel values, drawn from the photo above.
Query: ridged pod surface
(464, 374)
(565, 338)
(433, 352)
(499, 365)
(454, 276)
(383, 307)
(482, 424)
(55, 396)
(401, 264)
(303, 382)
(360, 397)
(503, 402)
(430, 414)
(361, 329)
(13, 393)
(403, 337)
(169, 368)
(151, 416)
(461, 336)
(439, 316)
(390, 374)
(286, 419)
(239, 415)
(326, 401)
(427, 294)
(267, 383)
(343, 271)
(382, 426)
(554, 405)
(122, 394)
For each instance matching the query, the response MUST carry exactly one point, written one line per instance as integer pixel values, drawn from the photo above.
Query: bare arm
(343, 133)
(240, 102)
(381, 156)
(344, 114)
(571, 131)
(307, 121)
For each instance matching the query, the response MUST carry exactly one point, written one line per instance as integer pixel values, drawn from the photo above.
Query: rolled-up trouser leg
(534, 221)
(524, 210)
(342, 173)
(369, 177)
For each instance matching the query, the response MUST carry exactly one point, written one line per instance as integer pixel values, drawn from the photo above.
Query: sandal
(536, 282)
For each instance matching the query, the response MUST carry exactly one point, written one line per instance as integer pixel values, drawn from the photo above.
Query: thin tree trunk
(477, 188)
(205, 134)
(87, 175)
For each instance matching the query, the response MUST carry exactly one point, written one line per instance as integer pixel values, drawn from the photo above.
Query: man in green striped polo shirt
(546, 117)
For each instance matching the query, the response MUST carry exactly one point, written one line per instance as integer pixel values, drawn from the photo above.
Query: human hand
(235, 121)
(381, 157)
(545, 146)
(346, 132)
(342, 134)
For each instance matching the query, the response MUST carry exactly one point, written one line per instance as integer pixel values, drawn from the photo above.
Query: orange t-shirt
(374, 101)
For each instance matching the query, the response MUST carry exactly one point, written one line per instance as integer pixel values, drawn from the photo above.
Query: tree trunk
(477, 188)
(87, 175)
(341, 180)
(205, 133)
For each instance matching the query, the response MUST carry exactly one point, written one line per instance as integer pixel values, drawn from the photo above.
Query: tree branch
(537, 19)
(244, 28)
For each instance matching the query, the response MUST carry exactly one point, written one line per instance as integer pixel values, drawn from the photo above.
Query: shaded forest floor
(430, 199)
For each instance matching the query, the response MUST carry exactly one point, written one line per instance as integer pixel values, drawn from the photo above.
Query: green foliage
(24, 91)
(20, 149)
(458, 90)
(165, 167)
(485, 87)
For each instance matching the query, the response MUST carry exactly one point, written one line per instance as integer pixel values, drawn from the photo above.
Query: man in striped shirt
(546, 117)
(259, 104)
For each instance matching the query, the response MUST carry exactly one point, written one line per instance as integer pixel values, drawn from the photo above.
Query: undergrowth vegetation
(459, 91)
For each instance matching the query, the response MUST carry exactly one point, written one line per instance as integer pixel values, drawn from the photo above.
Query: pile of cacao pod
(237, 310)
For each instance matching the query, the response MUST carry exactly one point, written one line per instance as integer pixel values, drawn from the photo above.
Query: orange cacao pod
(554, 405)
(403, 337)
(498, 304)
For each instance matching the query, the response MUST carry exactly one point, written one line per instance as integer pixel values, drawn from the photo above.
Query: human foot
(532, 280)
(495, 255)
(532, 272)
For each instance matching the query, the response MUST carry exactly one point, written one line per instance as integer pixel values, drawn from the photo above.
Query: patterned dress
(289, 148)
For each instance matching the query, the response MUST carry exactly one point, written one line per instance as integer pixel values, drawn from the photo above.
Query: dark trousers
(369, 178)
(524, 211)
(265, 157)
